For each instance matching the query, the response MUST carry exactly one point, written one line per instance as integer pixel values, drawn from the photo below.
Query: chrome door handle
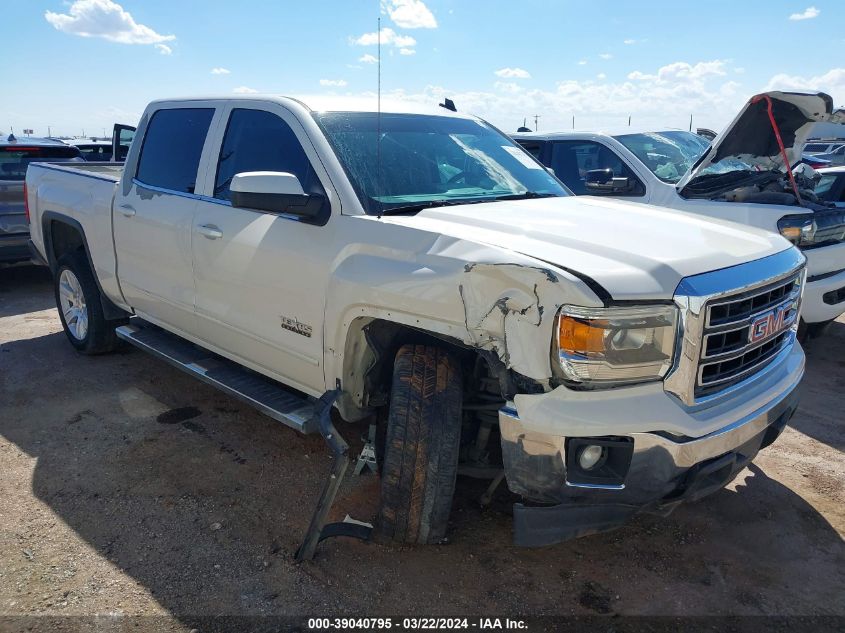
(210, 231)
(127, 209)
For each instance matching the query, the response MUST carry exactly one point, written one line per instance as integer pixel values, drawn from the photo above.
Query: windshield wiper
(528, 195)
(416, 208)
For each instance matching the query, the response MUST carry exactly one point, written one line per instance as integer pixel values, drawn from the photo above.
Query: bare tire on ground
(80, 310)
(422, 445)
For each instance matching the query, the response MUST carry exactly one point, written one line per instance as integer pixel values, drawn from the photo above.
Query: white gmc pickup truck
(607, 357)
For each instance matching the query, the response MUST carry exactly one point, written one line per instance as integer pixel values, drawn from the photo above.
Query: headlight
(798, 229)
(604, 347)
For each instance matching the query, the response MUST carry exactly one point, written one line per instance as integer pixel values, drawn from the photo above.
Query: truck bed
(104, 171)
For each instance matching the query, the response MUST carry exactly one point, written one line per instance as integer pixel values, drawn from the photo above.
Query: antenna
(536, 121)
(378, 125)
(690, 123)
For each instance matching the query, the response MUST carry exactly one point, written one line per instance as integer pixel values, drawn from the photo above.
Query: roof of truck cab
(30, 141)
(545, 136)
(336, 103)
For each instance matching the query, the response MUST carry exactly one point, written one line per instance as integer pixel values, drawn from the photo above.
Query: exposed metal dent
(501, 301)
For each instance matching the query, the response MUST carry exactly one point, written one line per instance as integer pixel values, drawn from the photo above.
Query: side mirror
(602, 181)
(274, 191)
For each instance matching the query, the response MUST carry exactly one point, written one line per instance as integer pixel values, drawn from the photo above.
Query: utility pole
(536, 122)
(629, 120)
(690, 123)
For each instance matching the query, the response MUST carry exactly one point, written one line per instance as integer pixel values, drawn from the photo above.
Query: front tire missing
(422, 446)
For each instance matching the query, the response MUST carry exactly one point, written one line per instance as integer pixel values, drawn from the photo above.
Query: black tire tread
(101, 337)
(422, 445)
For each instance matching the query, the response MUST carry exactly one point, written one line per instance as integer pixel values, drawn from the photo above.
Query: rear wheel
(422, 445)
(80, 309)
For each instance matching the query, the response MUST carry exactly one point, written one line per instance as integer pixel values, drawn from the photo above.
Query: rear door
(261, 277)
(153, 214)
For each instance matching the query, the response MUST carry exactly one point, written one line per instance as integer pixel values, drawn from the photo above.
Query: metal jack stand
(367, 458)
(318, 530)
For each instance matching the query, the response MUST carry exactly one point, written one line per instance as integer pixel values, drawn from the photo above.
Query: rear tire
(423, 444)
(80, 308)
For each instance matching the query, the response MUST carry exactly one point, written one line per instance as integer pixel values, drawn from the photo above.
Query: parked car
(822, 147)
(834, 157)
(814, 161)
(740, 176)
(15, 157)
(610, 357)
(831, 185)
(93, 150)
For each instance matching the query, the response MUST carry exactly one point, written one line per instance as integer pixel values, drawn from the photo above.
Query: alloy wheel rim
(73, 305)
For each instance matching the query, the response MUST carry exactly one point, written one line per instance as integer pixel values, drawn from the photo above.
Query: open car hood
(750, 138)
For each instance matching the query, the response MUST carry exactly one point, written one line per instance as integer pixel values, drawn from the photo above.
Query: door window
(170, 155)
(257, 140)
(571, 160)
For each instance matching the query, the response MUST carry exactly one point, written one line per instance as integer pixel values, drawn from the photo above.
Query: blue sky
(85, 64)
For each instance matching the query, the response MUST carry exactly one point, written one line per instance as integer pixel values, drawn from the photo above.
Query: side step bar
(273, 399)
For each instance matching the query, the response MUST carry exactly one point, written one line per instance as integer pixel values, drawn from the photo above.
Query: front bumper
(825, 276)
(666, 468)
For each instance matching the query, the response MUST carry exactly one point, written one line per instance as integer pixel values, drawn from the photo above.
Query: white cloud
(407, 51)
(606, 56)
(105, 19)
(739, 71)
(339, 83)
(507, 86)
(220, 71)
(388, 37)
(244, 90)
(629, 42)
(409, 14)
(513, 73)
(368, 59)
(808, 14)
(601, 76)
(679, 72)
(164, 49)
(831, 82)
(582, 62)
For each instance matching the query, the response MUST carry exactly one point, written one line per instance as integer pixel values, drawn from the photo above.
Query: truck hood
(750, 139)
(633, 251)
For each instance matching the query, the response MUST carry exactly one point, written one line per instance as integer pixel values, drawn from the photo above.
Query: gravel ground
(127, 487)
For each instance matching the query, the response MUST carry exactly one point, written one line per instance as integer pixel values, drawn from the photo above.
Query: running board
(273, 399)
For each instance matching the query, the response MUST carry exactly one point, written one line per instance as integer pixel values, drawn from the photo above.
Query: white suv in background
(740, 176)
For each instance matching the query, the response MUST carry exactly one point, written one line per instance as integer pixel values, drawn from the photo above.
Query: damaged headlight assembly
(607, 347)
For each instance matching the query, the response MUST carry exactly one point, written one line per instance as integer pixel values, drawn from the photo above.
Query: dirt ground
(127, 487)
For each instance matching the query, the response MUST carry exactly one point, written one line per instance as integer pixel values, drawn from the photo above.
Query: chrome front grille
(736, 322)
(744, 332)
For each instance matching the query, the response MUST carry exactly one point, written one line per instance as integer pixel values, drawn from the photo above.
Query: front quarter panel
(478, 296)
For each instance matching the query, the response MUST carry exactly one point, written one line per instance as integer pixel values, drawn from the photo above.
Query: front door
(261, 277)
(153, 217)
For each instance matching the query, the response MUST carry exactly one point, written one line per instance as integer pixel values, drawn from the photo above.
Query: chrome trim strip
(181, 194)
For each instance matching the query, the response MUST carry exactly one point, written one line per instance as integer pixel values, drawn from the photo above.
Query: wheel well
(64, 239)
(371, 347)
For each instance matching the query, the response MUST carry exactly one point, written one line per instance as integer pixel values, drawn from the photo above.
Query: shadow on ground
(25, 288)
(203, 502)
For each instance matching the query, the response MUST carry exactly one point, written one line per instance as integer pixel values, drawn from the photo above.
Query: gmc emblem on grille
(771, 323)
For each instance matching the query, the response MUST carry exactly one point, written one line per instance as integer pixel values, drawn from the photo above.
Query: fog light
(590, 456)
